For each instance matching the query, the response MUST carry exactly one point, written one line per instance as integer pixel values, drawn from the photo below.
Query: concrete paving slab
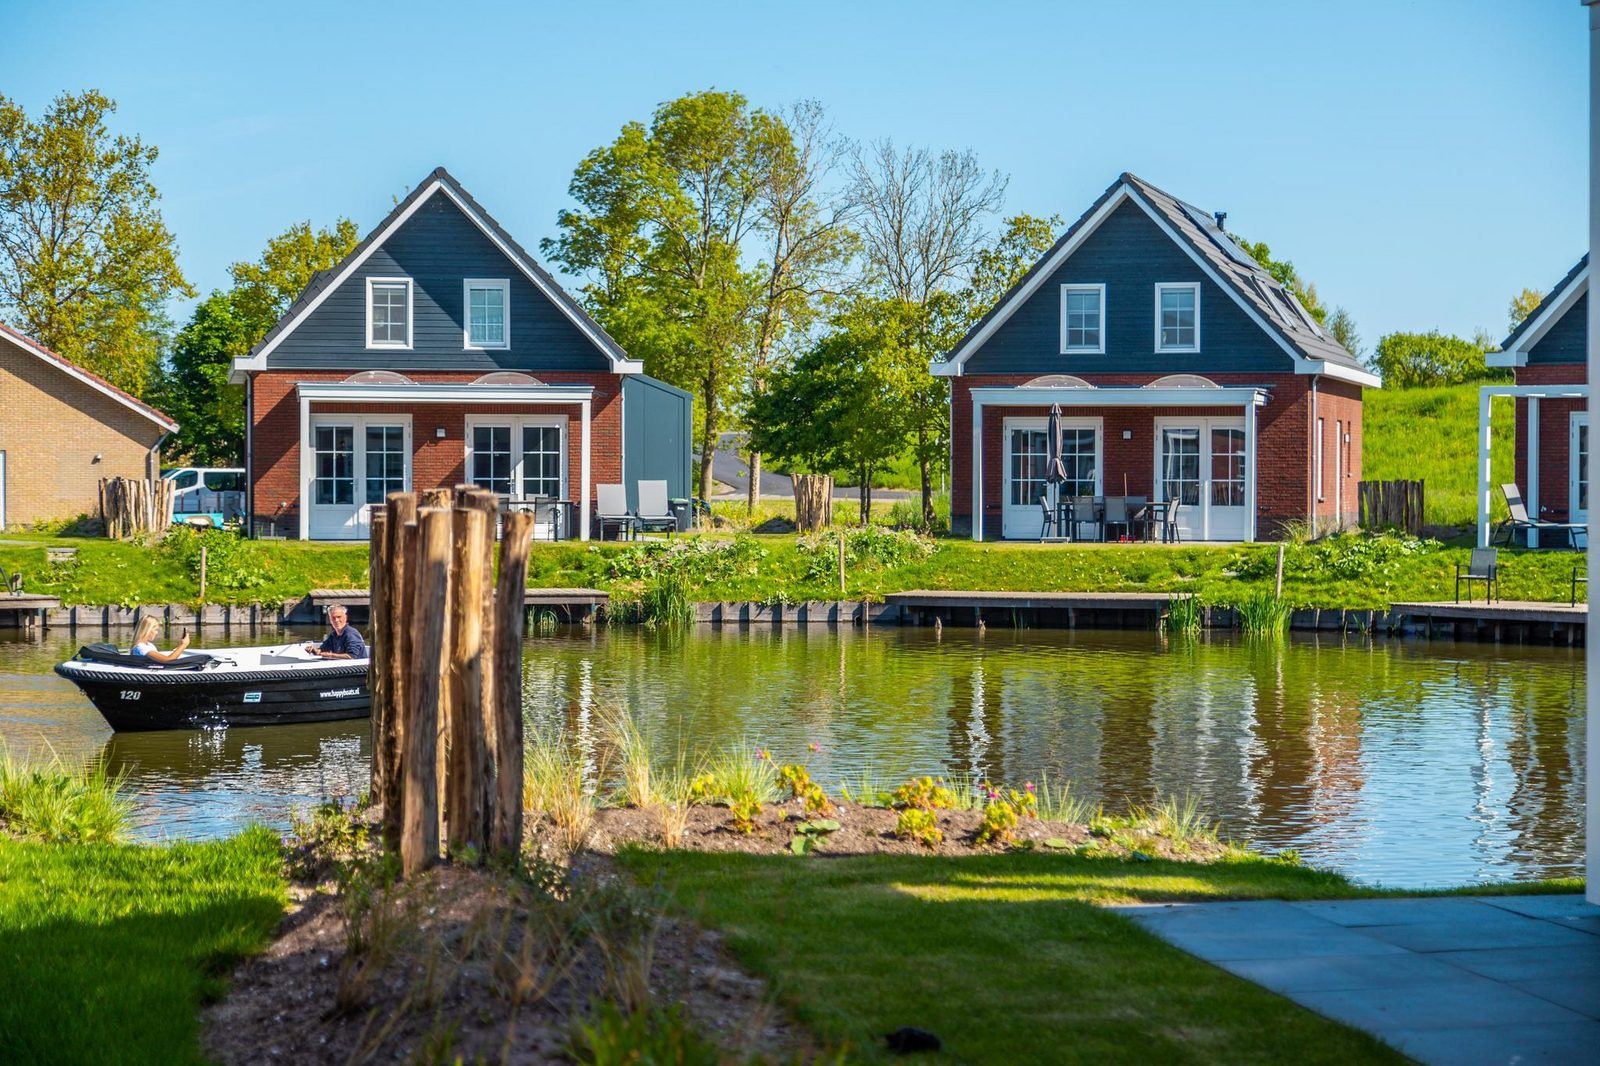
(1330, 972)
(1562, 906)
(1526, 964)
(1555, 1044)
(1581, 994)
(1519, 932)
(1456, 1005)
(1248, 917)
(1360, 912)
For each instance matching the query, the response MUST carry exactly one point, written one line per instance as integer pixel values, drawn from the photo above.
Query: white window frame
(1164, 286)
(467, 285)
(1574, 420)
(1028, 514)
(411, 304)
(1317, 452)
(358, 424)
(516, 423)
(1099, 349)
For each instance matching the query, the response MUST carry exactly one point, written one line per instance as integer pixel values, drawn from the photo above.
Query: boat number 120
(130, 693)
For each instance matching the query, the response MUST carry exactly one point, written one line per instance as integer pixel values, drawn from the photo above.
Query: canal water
(1400, 762)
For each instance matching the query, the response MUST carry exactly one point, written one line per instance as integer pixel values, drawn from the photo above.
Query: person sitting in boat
(144, 641)
(343, 642)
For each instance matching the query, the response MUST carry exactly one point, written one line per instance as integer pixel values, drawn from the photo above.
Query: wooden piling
(489, 503)
(378, 648)
(467, 765)
(393, 627)
(515, 541)
(419, 840)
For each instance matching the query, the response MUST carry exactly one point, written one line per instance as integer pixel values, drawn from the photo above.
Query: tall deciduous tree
(1524, 304)
(1287, 276)
(86, 261)
(807, 236)
(193, 385)
(665, 221)
(1341, 326)
(923, 219)
(1409, 360)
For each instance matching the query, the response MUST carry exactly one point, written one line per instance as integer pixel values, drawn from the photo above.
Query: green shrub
(922, 793)
(1348, 556)
(999, 822)
(797, 781)
(60, 805)
(919, 825)
(865, 547)
(232, 563)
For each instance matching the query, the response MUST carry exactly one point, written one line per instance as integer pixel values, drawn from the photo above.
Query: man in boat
(343, 642)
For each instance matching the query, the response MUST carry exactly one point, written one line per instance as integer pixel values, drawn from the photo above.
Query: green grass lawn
(1005, 957)
(1432, 434)
(122, 573)
(109, 950)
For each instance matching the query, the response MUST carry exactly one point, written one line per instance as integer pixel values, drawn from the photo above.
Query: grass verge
(110, 950)
(1006, 957)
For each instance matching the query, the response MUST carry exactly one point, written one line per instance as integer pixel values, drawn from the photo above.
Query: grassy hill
(1432, 434)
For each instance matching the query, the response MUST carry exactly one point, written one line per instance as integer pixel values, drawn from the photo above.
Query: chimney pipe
(1222, 220)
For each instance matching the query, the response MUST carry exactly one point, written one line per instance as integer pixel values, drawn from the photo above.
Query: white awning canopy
(1533, 394)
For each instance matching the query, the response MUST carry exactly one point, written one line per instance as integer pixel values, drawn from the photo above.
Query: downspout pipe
(1316, 458)
(152, 460)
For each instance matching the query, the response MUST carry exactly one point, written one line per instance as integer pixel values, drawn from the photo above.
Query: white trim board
(1023, 396)
(1547, 317)
(338, 391)
(1302, 365)
(258, 360)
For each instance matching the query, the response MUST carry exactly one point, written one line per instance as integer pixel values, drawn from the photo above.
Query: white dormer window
(388, 312)
(1083, 318)
(487, 302)
(1178, 317)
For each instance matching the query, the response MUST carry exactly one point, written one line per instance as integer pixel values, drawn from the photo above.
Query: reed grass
(1183, 615)
(632, 752)
(1263, 614)
(53, 802)
(1179, 819)
(555, 786)
(738, 773)
(1056, 803)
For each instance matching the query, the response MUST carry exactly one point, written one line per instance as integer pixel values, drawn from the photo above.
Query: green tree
(86, 262)
(664, 226)
(1342, 328)
(1412, 360)
(1524, 304)
(193, 386)
(1022, 241)
(840, 405)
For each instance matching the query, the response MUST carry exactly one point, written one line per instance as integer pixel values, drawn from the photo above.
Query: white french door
(356, 461)
(1201, 469)
(523, 460)
(1578, 467)
(1026, 451)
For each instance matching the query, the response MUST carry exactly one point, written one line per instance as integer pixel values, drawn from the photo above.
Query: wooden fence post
(515, 543)
(489, 503)
(419, 840)
(465, 773)
(394, 629)
(379, 647)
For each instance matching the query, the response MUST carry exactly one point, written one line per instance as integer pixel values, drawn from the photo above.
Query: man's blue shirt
(349, 642)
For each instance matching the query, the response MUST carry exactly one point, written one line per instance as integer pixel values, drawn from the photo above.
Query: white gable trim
(1302, 365)
(45, 354)
(1517, 355)
(258, 361)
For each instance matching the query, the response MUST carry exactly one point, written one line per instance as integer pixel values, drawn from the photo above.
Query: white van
(206, 496)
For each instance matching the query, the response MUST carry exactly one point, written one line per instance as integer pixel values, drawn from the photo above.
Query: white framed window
(486, 304)
(1316, 461)
(1178, 317)
(519, 457)
(1083, 316)
(389, 312)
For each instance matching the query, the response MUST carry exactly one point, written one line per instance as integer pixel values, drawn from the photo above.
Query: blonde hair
(148, 627)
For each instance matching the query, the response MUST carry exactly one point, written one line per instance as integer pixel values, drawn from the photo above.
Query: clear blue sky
(1420, 162)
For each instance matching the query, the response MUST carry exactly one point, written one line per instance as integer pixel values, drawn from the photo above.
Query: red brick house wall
(435, 462)
(1284, 451)
(1554, 442)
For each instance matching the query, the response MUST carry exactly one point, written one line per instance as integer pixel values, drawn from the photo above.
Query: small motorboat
(233, 686)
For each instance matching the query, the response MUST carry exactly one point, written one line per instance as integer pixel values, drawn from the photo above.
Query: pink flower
(814, 746)
(1029, 786)
(763, 753)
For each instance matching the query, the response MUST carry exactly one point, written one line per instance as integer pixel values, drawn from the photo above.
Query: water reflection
(1403, 762)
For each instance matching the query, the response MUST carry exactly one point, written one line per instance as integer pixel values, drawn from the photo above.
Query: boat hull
(130, 703)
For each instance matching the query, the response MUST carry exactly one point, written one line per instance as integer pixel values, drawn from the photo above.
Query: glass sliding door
(1202, 469)
(356, 461)
(1026, 470)
(524, 460)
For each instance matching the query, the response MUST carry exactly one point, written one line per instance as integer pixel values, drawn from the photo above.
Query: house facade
(1546, 354)
(439, 352)
(1184, 373)
(62, 429)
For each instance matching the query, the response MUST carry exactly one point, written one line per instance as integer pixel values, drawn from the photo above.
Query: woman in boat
(144, 641)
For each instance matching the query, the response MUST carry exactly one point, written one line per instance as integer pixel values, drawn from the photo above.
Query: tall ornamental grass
(60, 804)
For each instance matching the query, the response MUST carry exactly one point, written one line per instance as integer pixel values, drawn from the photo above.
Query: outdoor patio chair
(1579, 579)
(1085, 512)
(611, 510)
(1138, 518)
(1576, 533)
(1171, 532)
(1115, 516)
(653, 511)
(1484, 567)
(1048, 527)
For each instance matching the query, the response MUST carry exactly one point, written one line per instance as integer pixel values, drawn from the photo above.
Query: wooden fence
(447, 674)
(135, 505)
(1391, 505)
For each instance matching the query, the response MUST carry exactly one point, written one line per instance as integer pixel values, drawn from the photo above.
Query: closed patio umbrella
(1055, 471)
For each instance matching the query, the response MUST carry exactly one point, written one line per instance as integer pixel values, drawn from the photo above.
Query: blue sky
(1420, 162)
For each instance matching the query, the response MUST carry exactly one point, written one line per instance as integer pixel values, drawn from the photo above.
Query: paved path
(1458, 980)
